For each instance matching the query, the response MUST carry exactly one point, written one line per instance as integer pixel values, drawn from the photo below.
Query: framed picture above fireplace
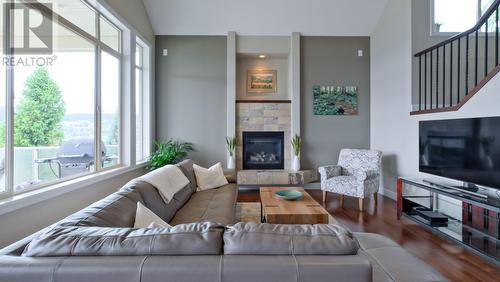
(262, 81)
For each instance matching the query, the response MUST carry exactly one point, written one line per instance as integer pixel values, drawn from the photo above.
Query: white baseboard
(313, 186)
(389, 194)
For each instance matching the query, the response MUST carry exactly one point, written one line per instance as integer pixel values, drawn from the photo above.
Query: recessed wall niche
(246, 62)
(277, 111)
(276, 53)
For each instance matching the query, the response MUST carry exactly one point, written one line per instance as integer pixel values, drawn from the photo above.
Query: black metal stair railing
(451, 72)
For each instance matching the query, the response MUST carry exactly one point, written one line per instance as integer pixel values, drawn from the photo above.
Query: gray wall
(333, 61)
(191, 94)
(243, 65)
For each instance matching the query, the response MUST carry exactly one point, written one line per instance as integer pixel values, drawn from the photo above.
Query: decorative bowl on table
(288, 194)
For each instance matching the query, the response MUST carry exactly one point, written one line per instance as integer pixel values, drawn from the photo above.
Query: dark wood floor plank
(452, 260)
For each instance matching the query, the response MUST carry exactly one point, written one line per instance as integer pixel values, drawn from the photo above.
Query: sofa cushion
(116, 210)
(390, 262)
(217, 205)
(153, 201)
(250, 238)
(186, 167)
(168, 179)
(185, 239)
(182, 197)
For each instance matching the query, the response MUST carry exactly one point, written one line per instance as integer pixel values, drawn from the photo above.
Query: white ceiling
(264, 17)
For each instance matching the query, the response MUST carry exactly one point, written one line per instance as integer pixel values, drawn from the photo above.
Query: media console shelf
(476, 226)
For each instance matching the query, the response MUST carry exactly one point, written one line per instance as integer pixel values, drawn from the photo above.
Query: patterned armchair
(357, 174)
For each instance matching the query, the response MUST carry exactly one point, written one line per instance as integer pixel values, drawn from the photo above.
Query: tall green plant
(231, 143)
(296, 144)
(169, 152)
(40, 112)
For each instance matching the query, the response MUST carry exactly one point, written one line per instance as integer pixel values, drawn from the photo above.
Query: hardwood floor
(452, 260)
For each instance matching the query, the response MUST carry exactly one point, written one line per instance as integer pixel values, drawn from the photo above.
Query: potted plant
(296, 145)
(231, 143)
(438, 26)
(170, 152)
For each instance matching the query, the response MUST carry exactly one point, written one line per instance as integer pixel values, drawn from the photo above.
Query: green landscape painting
(335, 100)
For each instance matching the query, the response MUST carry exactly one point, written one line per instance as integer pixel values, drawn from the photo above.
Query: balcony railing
(28, 172)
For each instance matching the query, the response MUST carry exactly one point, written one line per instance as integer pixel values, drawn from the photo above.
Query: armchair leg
(341, 200)
(375, 198)
(324, 196)
(360, 204)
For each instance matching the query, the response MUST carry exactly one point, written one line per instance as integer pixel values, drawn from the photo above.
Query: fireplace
(263, 150)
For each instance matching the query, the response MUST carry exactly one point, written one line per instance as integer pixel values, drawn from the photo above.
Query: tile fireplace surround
(263, 116)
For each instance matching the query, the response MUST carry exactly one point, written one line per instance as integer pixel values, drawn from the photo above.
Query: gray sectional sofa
(98, 243)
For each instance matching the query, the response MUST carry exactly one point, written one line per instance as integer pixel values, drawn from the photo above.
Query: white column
(231, 85)
(295, 81)
(127, 113)
(294, 62)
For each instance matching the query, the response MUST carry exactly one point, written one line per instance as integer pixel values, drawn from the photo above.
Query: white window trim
(9, 201)
(146, 94)
(9, 146)
(23, 200)
(432, 27)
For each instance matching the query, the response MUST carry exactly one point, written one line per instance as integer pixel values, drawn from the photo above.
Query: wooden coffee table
(303, 211)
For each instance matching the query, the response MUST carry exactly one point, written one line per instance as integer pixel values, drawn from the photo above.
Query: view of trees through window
(61, 118)
(58, 106)
(38, 121)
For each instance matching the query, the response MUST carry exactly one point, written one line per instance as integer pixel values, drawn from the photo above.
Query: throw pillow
(168, 180)
(144, 218)
(209, 178)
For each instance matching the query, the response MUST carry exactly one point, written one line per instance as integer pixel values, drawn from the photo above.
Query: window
(54, 107)
(60, 112)
(110, 108)
(454, 16)
(142, 145)
(3, 90)
(60, 107)
(109, 34)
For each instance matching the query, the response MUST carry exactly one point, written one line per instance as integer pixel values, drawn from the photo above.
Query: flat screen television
(462, 149)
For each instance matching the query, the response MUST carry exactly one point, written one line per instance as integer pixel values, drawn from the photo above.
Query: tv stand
(473, 219)
(468, 188)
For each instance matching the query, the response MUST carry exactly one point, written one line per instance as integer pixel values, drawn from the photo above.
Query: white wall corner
(389, 194)
(295, 81)
(231, 86)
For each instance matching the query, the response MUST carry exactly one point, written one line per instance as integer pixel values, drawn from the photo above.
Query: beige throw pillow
(145, 218)
(209, 178)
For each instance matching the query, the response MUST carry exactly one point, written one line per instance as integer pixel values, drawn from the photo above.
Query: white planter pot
(231, 163)
(296, 163)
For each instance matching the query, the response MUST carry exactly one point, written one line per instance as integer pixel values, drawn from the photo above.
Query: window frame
(432, 25)
(145, 99)
(126, 36)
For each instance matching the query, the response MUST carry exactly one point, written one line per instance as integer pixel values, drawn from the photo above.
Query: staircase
(451, 72)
